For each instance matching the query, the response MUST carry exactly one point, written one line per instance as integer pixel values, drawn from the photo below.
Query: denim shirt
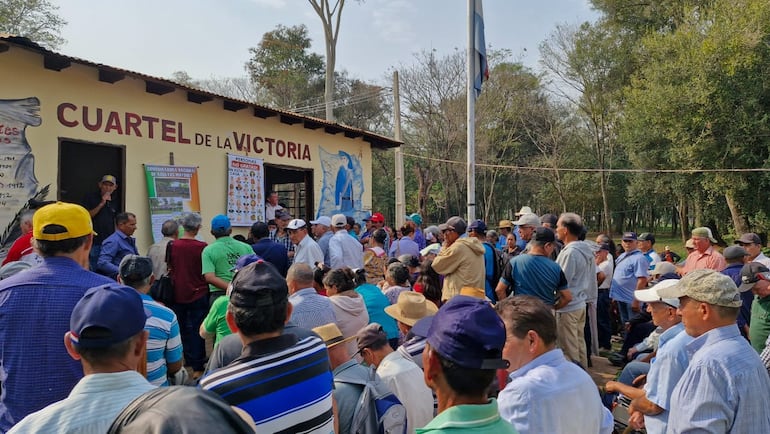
(114, 248)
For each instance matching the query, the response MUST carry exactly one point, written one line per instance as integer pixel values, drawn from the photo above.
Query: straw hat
(331, 335)
(411, 307)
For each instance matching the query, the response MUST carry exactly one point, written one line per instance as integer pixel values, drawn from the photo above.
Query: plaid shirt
(285, 241)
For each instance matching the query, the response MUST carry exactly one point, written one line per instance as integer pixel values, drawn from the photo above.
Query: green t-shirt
(480, 419)
(760, 323)
(220, 257)
(215, 320)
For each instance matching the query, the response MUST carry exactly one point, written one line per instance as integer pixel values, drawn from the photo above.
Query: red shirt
(186, 267)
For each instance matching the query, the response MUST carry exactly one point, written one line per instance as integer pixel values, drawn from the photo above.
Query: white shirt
(407, 382)
(308, 252)
(91, 407)
(607, 267)
(762, 259)
(345, 251)
(270, 211)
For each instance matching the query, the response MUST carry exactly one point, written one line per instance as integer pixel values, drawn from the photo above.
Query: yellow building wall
(22, 75)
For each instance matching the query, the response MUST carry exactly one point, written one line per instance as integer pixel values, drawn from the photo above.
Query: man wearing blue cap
(44, 297)
(464, 349)
(284, 382)
(220, 257)
(107, 335)
(631, 273)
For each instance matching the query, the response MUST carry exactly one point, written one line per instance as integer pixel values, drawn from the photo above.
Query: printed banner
(245, 192)
(172, 190)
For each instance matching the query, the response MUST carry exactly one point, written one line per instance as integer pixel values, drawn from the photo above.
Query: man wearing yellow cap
(35, 313)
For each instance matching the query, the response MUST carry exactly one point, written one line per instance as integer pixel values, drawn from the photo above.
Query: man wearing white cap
(306, 250)
(321, 228)
(725, 386)
(650, 406)
(344, 250)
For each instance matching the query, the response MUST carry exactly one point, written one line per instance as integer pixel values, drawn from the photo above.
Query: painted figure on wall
(17, 163)
(343, 184)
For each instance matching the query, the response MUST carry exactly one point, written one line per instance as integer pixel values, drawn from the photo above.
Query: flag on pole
(481, 69)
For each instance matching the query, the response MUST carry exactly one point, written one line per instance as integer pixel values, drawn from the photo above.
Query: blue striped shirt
(724, 389)
(284, 383)
(164, 344)
(311, 309)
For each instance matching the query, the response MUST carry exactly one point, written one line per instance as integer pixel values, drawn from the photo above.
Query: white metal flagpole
(470, 115)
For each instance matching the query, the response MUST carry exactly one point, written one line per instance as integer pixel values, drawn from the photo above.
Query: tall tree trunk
(683, 218)
(605, 202)
(739, 220)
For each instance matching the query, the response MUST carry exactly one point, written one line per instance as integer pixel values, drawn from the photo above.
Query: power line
(592, 170)
(365, 96)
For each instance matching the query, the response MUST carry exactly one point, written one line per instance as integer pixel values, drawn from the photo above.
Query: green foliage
(285, 69)
(33, 19)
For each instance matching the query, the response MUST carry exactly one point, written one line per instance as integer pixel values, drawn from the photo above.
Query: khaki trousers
(570, 335)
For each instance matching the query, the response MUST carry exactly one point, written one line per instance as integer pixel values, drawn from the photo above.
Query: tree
(33, 19)
(328, 14)
(284, 68)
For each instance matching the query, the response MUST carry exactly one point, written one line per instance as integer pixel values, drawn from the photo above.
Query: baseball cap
(629, 236)
(296, 224)
(422, 327)
(477, 225)
(411, 307)
(524, 210)
(604, 246)
(61, 221)
(528, 219)
(505, 224)
(416, 218)
(707, 286)
(703, 232)
(245, 260)
(651, 295)
(433, 248)
(377, 218)
(109, 178)
(456, 224)
(258, 284)
(689, 244)
(135, 268)
(663, 267)
(749, 238)
(371, 334)
(366, 218)
(331, 335)
(282, 215)
(115, 311)
(323, 221)
(468, 332)
(339, 220)
(220, 222)
(752, 273)
(544, 235)
(734, 252)
(646, 236)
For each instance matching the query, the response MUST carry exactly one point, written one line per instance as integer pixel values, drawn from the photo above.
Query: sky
(209, 38)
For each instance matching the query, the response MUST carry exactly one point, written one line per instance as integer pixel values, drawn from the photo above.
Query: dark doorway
(82, 165)
(294, 187)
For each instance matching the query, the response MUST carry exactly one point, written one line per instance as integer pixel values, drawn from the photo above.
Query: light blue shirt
(91, 407)
(665, 371)
(345, 251)
(629, 267)
(724, 389)
(323, 243)
(311, 309)
(552, 395)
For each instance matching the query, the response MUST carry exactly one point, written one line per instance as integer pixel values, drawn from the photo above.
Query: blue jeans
(93, 256)
(190, 317)
(603, 323)
(625, 312)
(632, 370)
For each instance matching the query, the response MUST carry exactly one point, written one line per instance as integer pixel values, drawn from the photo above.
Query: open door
(82, 165)
(294, 187)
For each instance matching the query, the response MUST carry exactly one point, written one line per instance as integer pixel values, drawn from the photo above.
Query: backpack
(378, 410)
(499, 262)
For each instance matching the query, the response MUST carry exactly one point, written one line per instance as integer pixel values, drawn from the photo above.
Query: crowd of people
(324, 326)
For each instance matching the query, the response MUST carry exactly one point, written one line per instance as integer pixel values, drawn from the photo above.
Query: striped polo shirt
(164, 344)
(284, 383)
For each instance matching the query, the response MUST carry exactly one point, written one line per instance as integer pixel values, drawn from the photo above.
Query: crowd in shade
(338, 326)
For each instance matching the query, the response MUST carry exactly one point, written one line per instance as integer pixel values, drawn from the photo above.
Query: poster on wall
(245, 190)
(171, 190)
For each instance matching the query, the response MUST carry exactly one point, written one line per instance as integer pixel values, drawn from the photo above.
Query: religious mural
(343, 185)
